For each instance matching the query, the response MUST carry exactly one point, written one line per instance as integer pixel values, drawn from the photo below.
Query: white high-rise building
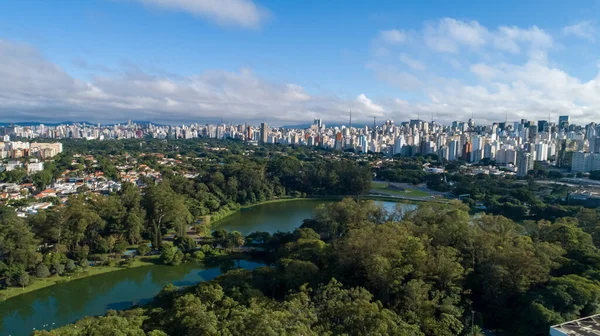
(541, 152)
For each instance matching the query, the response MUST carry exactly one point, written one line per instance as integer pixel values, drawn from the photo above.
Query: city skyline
(180, 61)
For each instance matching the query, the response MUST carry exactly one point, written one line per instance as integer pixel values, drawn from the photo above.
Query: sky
(289, 62)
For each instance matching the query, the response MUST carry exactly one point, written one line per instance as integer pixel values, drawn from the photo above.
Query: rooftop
(587, 326)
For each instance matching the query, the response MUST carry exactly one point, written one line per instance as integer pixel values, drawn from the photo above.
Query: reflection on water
(68, 302)
(65, 303)
(284, 216)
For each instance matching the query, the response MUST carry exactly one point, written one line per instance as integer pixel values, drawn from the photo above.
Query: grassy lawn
(382, 187)
(91, 271)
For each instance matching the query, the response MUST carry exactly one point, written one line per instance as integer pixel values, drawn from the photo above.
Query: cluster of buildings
(19, 149)
(11, 153)
(515, 145)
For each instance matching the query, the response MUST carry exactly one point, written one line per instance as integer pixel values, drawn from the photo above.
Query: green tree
(165, 209)
(143, 249)
(42, 271)
(186, 244)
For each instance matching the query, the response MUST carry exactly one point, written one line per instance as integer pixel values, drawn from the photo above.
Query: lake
(282, 216)
(65, 303)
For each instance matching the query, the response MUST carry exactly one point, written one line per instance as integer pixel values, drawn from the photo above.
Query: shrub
(199, 255)
(70, 266)
(42, 271)
(58, 269)
(143, 249)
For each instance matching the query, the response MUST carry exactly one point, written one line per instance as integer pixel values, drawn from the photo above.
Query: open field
(382, 187)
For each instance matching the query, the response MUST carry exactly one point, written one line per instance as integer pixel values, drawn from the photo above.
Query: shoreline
(11, 292)
(383, 198)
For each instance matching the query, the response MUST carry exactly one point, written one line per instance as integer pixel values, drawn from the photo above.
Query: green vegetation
(383, 187)
(98, 228)
(518, 200)
(356, 269)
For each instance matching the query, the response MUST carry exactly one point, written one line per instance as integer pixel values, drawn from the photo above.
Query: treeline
(89, 227)
(518, 200)
(355, 269)
(507, 196)
(246, 181)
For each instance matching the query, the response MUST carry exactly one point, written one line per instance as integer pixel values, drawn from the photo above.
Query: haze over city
(283, 62)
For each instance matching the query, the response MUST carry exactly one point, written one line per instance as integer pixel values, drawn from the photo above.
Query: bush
(167, 253)
(58, 269)
(22, 279)
(178, 258)
(84, 263)
(70, 266)
(42, 271)
(199, 255)
(120, 246)
(127, 262)
(143, 249)
(187, 244)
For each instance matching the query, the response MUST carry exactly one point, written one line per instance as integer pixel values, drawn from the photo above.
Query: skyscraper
(467, 148)
(249, 133)
(264, 132)
(524, 163)
(542, 126)
(563, 121)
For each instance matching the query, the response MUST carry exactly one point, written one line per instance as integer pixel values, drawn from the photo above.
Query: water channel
(57, 305)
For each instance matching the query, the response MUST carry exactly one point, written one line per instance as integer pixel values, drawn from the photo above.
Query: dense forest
(355, 269)
(96, 228)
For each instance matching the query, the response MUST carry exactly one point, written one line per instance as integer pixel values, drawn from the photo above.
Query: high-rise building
(453, 150)
(477, 148)
(563, 122)
(264, 132)
(249, 133)
(541, 152)
(542, 126)
(467, 148)
(594, 145)
(524, 163)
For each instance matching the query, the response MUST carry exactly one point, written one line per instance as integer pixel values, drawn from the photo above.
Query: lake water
(283, 216)
(65, 303)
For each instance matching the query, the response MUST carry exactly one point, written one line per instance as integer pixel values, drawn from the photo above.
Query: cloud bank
(450, 69)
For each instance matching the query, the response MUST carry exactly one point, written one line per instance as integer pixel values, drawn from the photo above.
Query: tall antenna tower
(350, 126)
(374, 122)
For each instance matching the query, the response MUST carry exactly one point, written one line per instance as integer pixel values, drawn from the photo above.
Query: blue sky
(290, 61)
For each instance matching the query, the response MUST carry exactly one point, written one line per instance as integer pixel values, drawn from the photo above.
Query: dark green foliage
(42, 271)
(143, 249)
(420, 274)
(186, 244)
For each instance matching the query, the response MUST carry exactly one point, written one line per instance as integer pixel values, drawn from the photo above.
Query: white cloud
(412, 63)
(483, 71)
(32, 88)
(512, 39)
(393, 36)
(448, 35)
(243, 13)
(583, 29)
(369, 105)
